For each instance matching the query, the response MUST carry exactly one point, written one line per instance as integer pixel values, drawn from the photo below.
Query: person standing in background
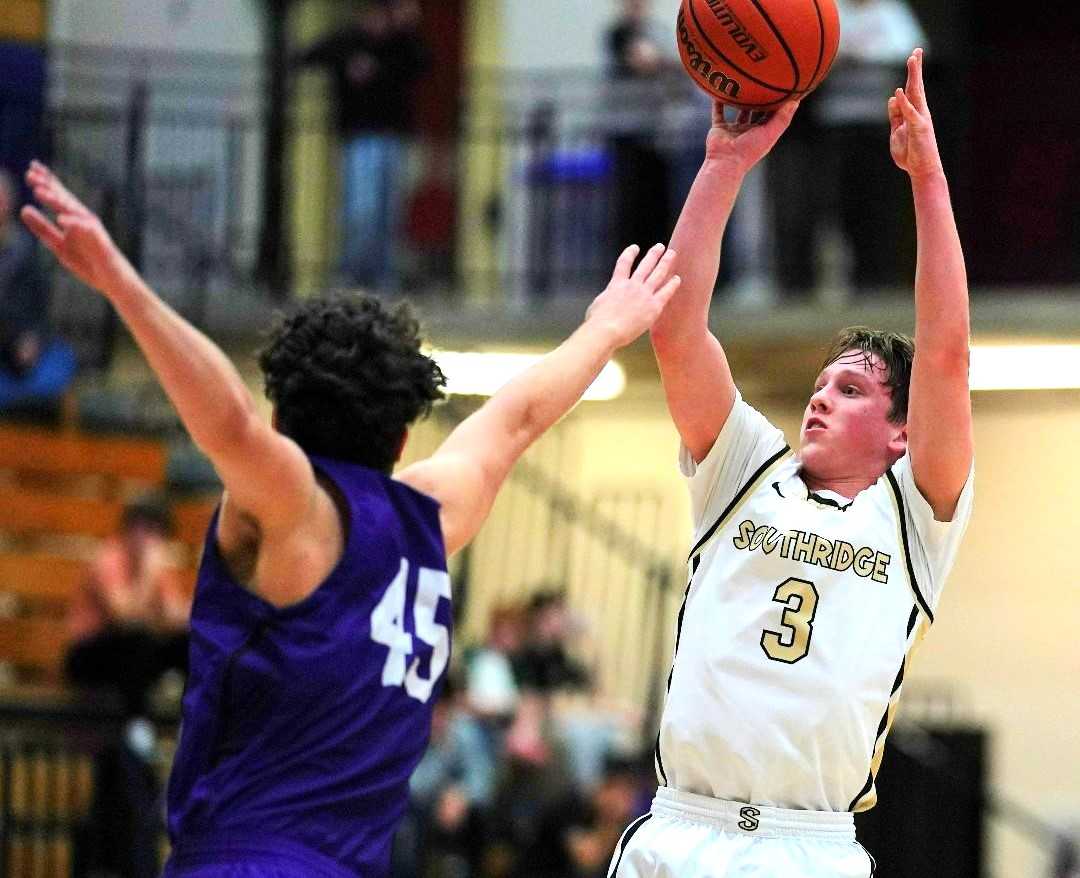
(829, 168)
(872, 208)
(639, 52)
(373, 65)
(35, 367)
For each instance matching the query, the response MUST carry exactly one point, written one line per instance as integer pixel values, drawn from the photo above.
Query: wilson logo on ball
(737, 30)
(695, 61)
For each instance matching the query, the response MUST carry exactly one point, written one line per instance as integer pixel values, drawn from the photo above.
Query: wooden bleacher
(61, 492)
(114, 459)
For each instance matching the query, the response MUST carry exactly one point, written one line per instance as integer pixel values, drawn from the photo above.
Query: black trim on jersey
(827, 501)
(907, 550)
(659, 758)
(758, 473)
(869, 785)
(912, 619)
(776, 487)
(625, 840)
(873, 862)
(882, 726)
(694, 564)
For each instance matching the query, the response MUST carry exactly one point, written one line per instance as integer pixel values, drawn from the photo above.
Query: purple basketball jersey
(301, 726)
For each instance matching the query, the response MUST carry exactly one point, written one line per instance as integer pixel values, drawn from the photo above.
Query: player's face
(846, 429)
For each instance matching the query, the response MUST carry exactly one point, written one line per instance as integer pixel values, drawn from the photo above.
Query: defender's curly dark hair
(894, 350)
(347, 377)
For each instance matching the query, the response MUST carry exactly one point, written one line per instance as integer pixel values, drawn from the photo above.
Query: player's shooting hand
(635, 298)
(748, 139)
(912, 141)
(77, 237)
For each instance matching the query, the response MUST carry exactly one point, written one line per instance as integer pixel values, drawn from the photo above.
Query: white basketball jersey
(800, 617)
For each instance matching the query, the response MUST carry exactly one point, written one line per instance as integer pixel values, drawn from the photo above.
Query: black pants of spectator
(874, 206)
(123, 832)
(795, 181)
(642, 194)
(128, 660)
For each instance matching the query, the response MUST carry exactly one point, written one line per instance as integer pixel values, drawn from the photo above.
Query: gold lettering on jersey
(807, 547)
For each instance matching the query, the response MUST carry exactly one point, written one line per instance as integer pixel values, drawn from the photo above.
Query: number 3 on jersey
(388, 628)
(801, 599)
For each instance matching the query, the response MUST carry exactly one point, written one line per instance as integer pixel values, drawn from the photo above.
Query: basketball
(756, 54)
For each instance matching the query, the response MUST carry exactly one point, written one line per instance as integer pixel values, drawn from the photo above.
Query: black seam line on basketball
(783, 43)
(625, 840)
(907, 551)
(821, 43)
(733, 65)
(758, 473)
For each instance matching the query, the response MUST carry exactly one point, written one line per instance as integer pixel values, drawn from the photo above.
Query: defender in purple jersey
(320, 630)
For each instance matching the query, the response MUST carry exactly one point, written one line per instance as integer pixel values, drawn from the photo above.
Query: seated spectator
(623, 793)
(35, 367)
(128, 624)
(491, 688)
(544, 665)
(449, 796)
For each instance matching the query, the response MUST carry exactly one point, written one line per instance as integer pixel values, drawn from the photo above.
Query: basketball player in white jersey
(813, 573)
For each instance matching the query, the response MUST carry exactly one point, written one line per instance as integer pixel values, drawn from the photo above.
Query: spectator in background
(622, 793)
(640, 56)
(128, 624)
(35, 367)
(373, 65)
(449, 796)
(128, 627)
(874, 208)
(544, 665)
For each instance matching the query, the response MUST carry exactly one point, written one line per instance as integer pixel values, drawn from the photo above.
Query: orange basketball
(756, 54)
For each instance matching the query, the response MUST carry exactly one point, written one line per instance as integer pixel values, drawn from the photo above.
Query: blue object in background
(22, 106)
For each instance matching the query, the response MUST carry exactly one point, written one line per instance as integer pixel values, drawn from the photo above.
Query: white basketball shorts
(690, 836)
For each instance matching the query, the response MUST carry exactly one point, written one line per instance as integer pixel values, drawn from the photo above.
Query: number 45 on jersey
(388, 628)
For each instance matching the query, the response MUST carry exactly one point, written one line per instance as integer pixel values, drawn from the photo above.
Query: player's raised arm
(265, 474)
(939, 410)
(697, 380)
(466, 472)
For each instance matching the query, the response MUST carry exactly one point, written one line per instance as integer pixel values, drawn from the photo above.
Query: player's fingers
(662, 271)
(907, 108)
(895, 116)
(47, 196)
(625, 262)
(43, 230)
(648, 262)
(916, 90)
(779, 120)
(664, 294)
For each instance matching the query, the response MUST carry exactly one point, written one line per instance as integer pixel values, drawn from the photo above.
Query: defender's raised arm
(264, 473)
(466, 472)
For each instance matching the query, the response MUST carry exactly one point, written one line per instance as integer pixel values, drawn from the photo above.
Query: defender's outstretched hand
(632, 301)
(912, 141)
(77, 237)
(748, 139)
